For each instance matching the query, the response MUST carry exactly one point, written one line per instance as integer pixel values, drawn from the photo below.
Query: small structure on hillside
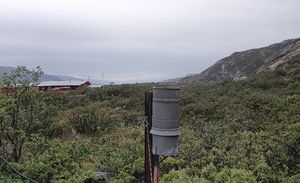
(62, 86)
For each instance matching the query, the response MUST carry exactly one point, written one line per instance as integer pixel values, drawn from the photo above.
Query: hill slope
(45, 77)
(49, 77)
(5, 69)
(241, 65)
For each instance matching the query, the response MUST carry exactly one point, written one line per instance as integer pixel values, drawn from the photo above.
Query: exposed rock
(241, 65)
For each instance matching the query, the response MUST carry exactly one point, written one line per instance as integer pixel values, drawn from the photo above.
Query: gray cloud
(138, 40)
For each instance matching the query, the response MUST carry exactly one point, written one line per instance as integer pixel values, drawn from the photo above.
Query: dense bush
(91, 120)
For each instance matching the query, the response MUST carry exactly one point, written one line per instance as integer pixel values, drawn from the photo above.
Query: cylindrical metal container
(165, 121)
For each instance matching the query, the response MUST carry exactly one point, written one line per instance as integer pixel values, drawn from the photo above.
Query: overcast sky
(138, 40)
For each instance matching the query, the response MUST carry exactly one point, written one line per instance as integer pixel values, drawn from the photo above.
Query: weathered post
(165, 125)
(148, 138)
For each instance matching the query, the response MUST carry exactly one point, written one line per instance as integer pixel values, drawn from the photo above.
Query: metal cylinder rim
(165, 132)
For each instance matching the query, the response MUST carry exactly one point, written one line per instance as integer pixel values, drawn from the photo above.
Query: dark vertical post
(155, 168)
(148, 164)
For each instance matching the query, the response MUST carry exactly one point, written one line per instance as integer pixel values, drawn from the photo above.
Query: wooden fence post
(148, 164)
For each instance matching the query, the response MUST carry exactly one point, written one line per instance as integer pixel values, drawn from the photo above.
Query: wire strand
(16, 171)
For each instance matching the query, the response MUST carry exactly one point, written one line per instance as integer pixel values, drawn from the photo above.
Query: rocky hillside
(241, 65)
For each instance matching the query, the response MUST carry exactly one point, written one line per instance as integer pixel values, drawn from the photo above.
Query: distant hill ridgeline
(45, 77)
(49, 77)
(241, 65)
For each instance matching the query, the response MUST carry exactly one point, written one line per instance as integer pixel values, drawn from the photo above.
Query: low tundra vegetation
(235, 131)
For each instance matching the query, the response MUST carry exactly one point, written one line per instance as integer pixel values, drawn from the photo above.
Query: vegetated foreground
(235, 131)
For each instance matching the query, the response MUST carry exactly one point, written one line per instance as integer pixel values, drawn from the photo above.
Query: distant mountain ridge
(241, 65)
(45, 77)
(49, 77)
